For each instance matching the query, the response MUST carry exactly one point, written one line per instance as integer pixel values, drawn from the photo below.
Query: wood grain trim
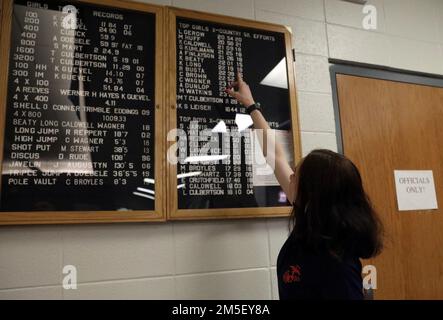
(293, 98)
(4, 72)
(78, 217)
(171, 111)
(235, 213)
(179, 214)
(227, 20)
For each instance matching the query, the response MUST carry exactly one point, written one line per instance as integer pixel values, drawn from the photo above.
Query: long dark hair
(332, 212)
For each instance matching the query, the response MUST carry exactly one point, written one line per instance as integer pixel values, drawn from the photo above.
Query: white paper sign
(415, 190)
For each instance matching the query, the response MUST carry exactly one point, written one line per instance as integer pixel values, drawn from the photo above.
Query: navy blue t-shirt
(305, 275)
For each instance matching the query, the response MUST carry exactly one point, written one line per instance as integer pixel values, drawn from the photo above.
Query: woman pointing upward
(333, 222)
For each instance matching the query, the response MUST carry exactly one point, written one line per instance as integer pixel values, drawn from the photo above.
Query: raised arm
(276, 155)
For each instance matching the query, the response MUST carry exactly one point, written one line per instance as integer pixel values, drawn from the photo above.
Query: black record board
(84, 129)
(230, 178)
(81, 110)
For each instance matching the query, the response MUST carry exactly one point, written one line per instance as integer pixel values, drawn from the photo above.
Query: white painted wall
(224, 259)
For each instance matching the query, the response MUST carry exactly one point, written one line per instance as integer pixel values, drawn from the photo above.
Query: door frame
(373, 72)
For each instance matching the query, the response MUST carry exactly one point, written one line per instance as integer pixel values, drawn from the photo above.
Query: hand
(243, 94)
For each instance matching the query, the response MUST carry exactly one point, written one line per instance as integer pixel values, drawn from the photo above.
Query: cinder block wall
(224, 259)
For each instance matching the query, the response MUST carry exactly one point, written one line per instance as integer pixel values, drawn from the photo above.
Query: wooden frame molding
(166, 203)
(192, 214)
(75, 217)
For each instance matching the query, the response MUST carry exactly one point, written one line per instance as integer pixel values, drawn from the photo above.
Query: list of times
(80, 123)
(209, 56)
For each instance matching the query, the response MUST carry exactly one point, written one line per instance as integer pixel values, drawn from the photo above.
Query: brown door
(390, 125)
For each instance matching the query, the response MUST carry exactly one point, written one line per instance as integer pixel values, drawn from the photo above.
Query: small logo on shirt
(292, 275)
